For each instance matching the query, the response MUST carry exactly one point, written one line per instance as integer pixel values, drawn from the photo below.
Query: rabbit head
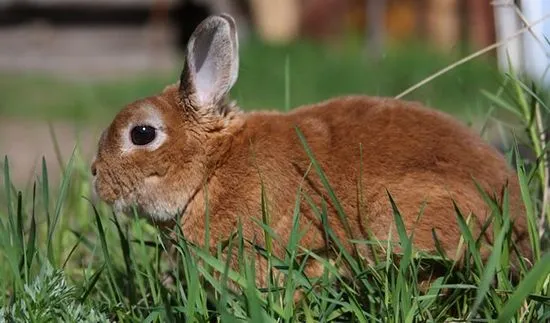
(156, 153)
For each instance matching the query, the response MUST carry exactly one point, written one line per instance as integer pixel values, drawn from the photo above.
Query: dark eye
(143, 135)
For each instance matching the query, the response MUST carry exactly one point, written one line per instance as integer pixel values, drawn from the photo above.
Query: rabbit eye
(143, 135)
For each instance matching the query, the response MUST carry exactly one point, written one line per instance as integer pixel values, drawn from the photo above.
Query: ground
(26, 141)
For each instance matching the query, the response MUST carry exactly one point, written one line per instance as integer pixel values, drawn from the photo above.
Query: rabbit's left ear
(212, 63)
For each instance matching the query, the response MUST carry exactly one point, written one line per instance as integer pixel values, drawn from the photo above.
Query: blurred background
(68, 66)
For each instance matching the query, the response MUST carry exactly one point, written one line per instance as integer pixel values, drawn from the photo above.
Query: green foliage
(49, 298)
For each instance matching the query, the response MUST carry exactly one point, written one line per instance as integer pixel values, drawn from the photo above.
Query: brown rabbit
(161, 153)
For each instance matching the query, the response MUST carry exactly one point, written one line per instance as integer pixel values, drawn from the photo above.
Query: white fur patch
(160, 206)
(156, 210)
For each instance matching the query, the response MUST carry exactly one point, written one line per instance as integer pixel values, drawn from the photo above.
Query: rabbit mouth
(156, 212)
(151, 199)
(121, 206)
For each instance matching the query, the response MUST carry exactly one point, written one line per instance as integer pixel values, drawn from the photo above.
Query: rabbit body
(206, 153)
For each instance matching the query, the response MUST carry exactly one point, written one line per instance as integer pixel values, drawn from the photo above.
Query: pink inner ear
(205, 80)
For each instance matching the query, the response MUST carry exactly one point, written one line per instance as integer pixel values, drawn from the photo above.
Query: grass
(64, 257)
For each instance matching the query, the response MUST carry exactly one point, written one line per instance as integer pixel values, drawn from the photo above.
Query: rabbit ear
(212, 62)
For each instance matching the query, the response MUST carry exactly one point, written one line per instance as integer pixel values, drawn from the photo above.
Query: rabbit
(189, 148)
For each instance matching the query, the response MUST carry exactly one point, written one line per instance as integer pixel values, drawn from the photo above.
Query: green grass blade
(46, 204)
(57, 149)
(236, 277)
(540, 271)
(467, 235)
(332, 195)
(59, 204)
(127, 255)
(19, 234)
(268, 236)
(10, 235)
(31, 242)
(8, 187)
(532, 94)
(91, 284)
(501, 103)
(168, 313)
(491, 267)
(71, 252)
(528, 204)
(330, 236)
(113, 287)
(401, 230)
(255, 311)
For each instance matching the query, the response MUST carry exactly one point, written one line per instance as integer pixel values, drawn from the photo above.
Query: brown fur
(379, 144)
